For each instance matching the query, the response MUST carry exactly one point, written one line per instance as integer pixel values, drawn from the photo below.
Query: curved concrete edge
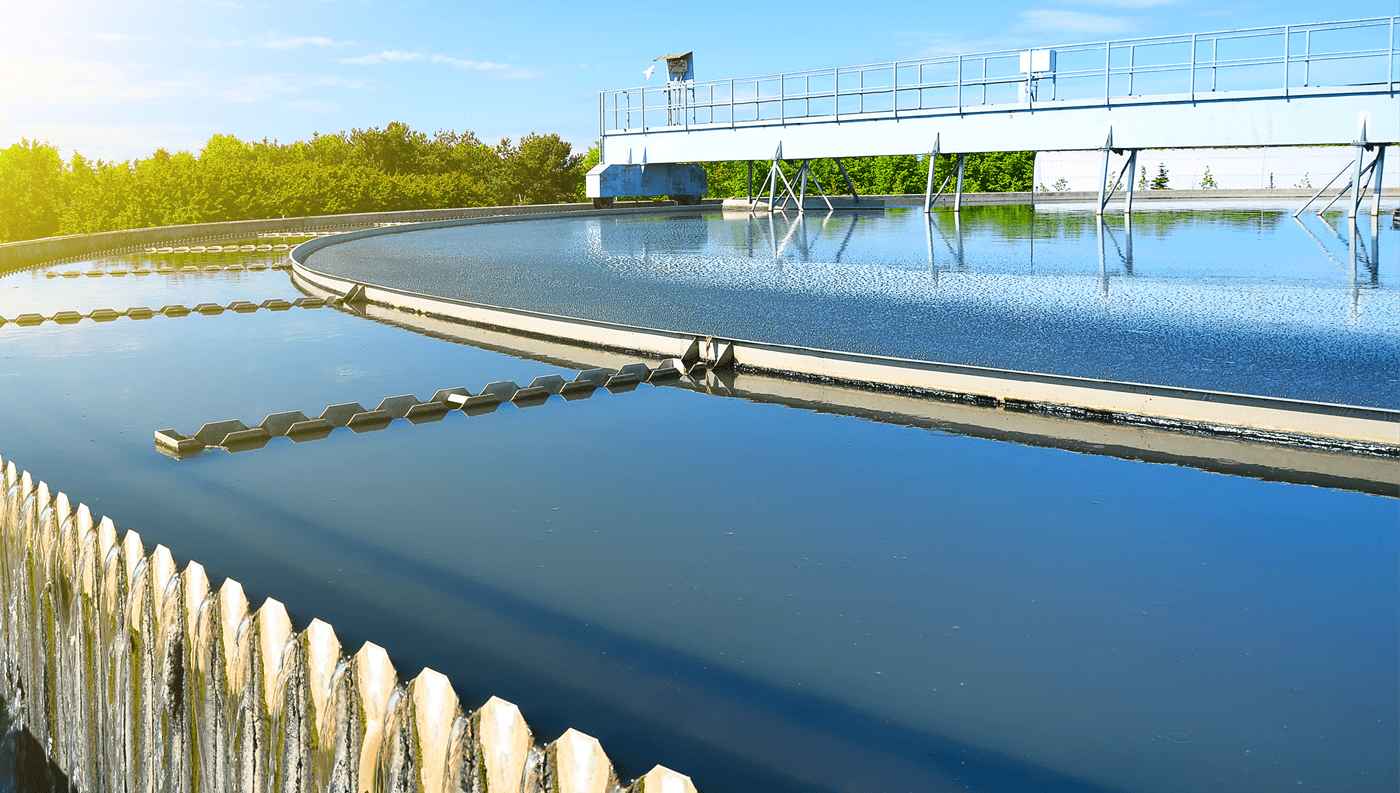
(1354, 428)
(162, 667)
(47, 249)
(1238, 454)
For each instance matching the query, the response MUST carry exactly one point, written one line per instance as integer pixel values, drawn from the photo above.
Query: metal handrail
(902, 87)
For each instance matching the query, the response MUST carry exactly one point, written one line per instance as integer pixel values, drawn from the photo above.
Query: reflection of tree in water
(1014, 222)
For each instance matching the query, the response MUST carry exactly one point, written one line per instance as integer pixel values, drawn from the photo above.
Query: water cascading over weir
(129, 674)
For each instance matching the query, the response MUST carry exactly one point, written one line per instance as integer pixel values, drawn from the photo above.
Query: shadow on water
(24, 766)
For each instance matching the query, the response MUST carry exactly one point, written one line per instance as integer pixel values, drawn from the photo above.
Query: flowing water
(759, 596)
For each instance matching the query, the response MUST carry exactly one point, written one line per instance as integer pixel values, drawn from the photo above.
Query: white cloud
(387, 56)
(67, 81)
(298, 42)
(506, 70)
(113, 143)
(312, 106)
(1061, 21)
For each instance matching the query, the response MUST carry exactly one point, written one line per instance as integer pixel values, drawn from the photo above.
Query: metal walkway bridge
(1323, 83)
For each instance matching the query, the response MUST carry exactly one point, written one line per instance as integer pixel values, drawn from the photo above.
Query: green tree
(31, 191)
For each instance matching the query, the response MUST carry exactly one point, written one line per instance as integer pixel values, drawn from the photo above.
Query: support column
(1103, 180)
(1132, 177)
(750, 184)
(802, 189)
(855, 199)
(1379, 170)
(932, 164)
(1357, 188)
(957, 199)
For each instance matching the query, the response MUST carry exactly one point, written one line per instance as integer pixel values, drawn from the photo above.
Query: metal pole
(1390, 64)
(782, 98)
(1307, 58)
(750, 185)
(1356, 186)
(1132, 175)
(802, 189)
(957, 200)
(731, 122)
(1103, 177)
(1376, 184)
(1320, 192)
(1285, 59)
(1132, 62)
(894, 92)
(1107, 68)
(932, 163)
(921, 93)
(1193, 68)
(849, 186)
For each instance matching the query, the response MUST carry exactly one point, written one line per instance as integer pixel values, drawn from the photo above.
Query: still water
(1226, 298)
(763, 597)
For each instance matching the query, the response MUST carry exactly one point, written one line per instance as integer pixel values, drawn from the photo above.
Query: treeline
(395, 168)
(374, 170)
(900, 174)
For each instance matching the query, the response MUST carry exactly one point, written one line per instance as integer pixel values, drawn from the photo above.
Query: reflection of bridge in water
(1324, 83)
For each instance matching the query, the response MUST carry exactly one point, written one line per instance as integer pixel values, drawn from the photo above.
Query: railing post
(1107, 68)
(1307, 58)
(894, 92)
(1390, 64)
(836, 93)
(1285, 59)
(644, 108)
(731, 103)
(1193, 67)
(1132, 62)
(921, 93)
(782, 97)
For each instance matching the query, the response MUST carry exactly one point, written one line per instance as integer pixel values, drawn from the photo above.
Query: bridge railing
(1361, 55)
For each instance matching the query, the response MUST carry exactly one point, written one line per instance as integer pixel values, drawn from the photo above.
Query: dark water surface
(763, 597)
(1226, 297)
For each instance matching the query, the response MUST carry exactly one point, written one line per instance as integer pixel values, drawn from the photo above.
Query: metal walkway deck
(1287, 85)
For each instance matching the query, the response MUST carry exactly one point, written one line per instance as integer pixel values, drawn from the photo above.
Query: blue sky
(121, 79)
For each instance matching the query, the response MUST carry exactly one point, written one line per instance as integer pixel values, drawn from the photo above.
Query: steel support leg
(1132, 175)
(855, 199)
(1357, 187)
(928, 189)
(1378, 166)
(1103, 179)
(750, 181)
(957, 200)
(802, 189)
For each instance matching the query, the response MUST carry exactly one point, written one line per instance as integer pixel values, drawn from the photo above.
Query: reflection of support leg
(928, 235)
(855, 199)
(1103, 263)
(1128, 241)
(957, 201)
(957, 230)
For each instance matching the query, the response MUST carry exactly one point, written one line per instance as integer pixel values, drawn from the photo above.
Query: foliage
(365, 170)
(1159, 182)
(1208, 181)
(896, 174)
